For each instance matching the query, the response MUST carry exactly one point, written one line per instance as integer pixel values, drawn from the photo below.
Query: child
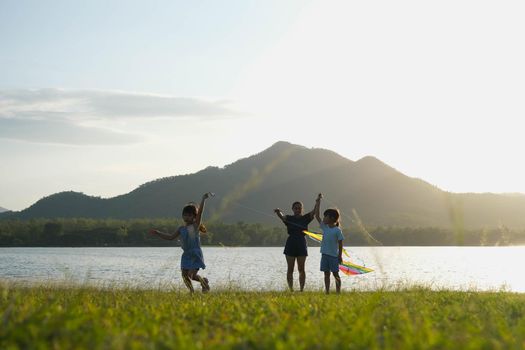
(192, 259)
(331, 246)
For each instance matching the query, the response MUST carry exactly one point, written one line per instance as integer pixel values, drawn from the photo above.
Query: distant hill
(3, 209)
(250, 188)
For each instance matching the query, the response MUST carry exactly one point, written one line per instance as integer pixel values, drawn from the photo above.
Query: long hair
(333, 214)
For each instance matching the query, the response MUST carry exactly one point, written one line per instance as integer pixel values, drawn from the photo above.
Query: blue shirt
(331, 237)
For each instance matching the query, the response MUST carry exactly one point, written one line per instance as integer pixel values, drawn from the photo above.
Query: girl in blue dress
(192, 259)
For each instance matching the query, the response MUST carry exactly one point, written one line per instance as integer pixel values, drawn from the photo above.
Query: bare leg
(194, 275)
(187, 279)
(302, 274)
(290, 260)
(337, 282)
(202, 280)
(327, 282)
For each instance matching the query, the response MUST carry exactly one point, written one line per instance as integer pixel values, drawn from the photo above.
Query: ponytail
(334, 214)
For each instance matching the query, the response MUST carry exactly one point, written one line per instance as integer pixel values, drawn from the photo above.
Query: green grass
(61, 317)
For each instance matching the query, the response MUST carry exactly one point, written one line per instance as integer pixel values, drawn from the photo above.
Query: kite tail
(347, 267)
(351, 269)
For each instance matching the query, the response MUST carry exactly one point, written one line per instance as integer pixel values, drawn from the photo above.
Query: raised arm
(201, 208)
(312, 213)
(279, 214)
(317, 207)
(164, 235)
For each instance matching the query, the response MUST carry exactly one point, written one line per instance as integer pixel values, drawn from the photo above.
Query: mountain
(3, 210)
(250, 188)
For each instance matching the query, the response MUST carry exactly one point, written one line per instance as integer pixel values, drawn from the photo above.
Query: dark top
(296, 242)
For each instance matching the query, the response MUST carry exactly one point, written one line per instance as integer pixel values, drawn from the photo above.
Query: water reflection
(481, 268)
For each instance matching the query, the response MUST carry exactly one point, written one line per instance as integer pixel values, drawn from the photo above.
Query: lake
(250, 268)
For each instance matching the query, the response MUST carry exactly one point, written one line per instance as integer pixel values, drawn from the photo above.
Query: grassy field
(61, 317)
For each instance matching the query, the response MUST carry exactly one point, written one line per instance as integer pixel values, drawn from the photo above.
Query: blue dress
(192, 258)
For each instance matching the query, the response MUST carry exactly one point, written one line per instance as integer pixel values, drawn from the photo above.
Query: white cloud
(77, 116)
(61, 132)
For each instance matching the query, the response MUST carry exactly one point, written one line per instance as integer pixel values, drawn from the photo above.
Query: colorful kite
(347, 267)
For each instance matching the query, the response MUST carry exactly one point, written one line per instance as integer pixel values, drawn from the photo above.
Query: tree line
(84, 232)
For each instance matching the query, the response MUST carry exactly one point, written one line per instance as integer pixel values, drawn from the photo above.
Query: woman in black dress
(296, 247)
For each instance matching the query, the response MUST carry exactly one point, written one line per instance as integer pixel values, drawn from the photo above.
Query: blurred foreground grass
(62, 317)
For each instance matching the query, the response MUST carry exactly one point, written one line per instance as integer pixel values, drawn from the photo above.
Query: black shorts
(296, 246)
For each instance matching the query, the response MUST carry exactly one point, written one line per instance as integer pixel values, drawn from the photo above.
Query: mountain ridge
(249, 188)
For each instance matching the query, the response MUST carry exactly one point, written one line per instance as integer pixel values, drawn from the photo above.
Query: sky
(100, 97)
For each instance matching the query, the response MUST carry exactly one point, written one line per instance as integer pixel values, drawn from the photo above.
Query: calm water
(481, 268)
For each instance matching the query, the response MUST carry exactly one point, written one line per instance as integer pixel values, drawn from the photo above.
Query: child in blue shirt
(331, 245)
(192, 259)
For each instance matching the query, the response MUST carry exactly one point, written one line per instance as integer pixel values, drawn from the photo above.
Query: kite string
(266, 214)
(254, 210)
(369, 237)
(294, 224)
(358, 222)
(297, 225)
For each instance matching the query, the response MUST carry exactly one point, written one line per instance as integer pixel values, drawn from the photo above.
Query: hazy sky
(102, 96)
